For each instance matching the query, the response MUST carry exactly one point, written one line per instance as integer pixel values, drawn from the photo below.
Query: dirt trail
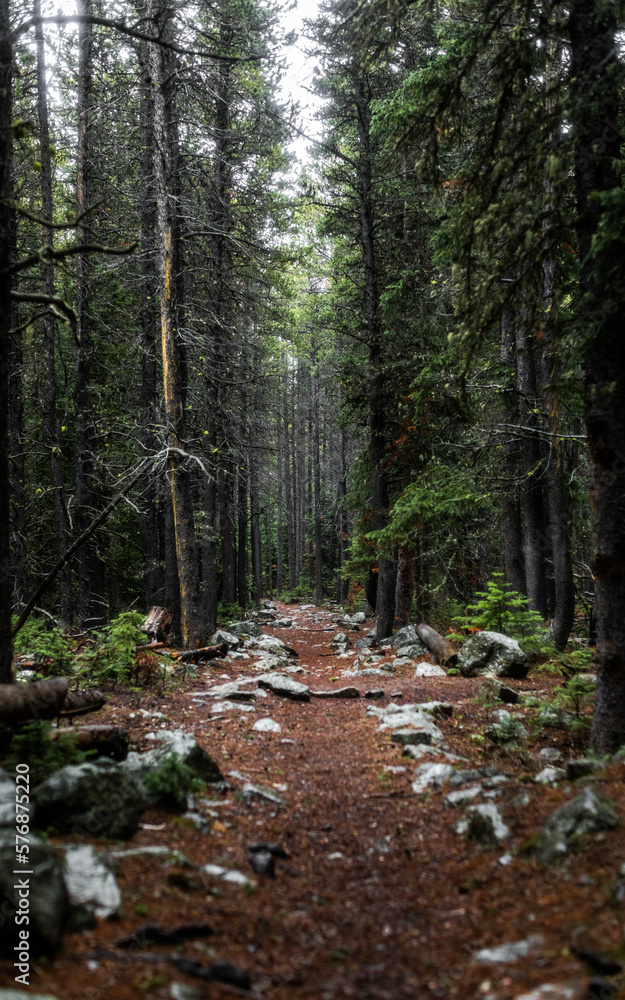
(380, 898)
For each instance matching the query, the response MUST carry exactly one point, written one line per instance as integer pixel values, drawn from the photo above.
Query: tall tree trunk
(148, 522)
(227, 529)
(242, 531)
(209, 549)
(173, 358)
(385, 605)
(317, 477)
(255, 542)
(6, 228)
(89, 566)
(280, 505)
(595, 103)
(51, 436)
(19, 530)
(511, 527)
(288, 491)
(535, 539)
(343, 585)
(405, 585)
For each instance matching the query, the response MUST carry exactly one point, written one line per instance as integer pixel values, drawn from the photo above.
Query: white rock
(431, 775)
(90, 883)
(227, 875)
(548, 775)
(507, 953)
(267, 726)
(429, 670)
(554, 991)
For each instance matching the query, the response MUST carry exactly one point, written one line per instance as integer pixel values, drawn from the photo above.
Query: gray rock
(252, 791)
(406, 719)
(219, 707)
(587, 812)
(550, 755)
(555, 991)
(285, 686)
(500, 691)
(269, 643)
(267, 726)
(429, 670)
(581, 768)
(91, 886)
(406, 636)
(232, 691)
(356, 619)
(172, 856)
(48, 902)
(375, 694)
(555, 718)
(265, 616)
(247, 628)
(180, 991)
(463, 795)
(411, 737)
(346, 692)
(431, 775)
(549, 775)
(231, 640)
(460, 778)
(492, 653)
(283, 623)
(341, 639)
(508, 953)
(227, 875)
(99, 799)
(484, 824)
(19, 995)
(365, 642)
(7, 802)
(422, 750)
(190, 753)
(412, 650)
(271, 663)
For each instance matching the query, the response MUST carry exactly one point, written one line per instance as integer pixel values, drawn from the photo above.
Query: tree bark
(89, 565)
(442, 649)
(6, 232)
(173, 358)
(242, 531)
(380, 502)
(511, 526)
(317, 478)
(405, 586)
(595, 82)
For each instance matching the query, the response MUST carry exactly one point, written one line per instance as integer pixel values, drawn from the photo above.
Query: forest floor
(381, 898)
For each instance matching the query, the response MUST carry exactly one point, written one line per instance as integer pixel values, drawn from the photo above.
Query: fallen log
(48, 699)
(26, 702)
(107, 741)
(204, 654)
(446, 655)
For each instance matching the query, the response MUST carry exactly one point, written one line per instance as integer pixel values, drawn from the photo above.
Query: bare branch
(47, 253)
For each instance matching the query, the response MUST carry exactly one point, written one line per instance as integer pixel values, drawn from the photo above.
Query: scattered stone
(549, 776)
(492, 653)
(346, 692)
(99, 799)
(365, 642)
(431, 775)
(462, 796)
(285, 686)
(232, 691)
(405, 720)
(411, 736)
(505, 954)
(48, 901)
(268, 643)
(551, 755)
(429, 670)
(19, 994)
(283, 623)
(91, 886)
(483, 823)
(341, 639)
(231, 640)
(397, 694)
(460, 778)
(265, 616)
(247, 628)
(587, 812)
(499, 691)
(416, 752)
(406, 636)
(183, 745)
(555, 718)
(555, 991)
(251, 791)
(401, 661)
(356, 619)
(581, 768)
(267, 664)
(375, 694)
(171, 855)
(267, 726)
(180, 991)
(395, 769)
(227, 875)
(220, 707)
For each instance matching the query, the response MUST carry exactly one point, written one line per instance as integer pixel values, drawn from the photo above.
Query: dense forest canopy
(390, 379)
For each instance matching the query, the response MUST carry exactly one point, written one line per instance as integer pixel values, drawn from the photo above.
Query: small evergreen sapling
(501, 609)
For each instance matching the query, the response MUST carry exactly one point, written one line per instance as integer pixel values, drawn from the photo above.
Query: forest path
(380, 898)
